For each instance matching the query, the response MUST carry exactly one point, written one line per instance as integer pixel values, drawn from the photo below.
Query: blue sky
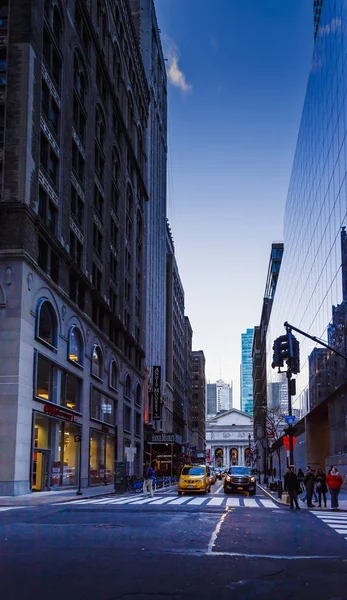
(238, 72)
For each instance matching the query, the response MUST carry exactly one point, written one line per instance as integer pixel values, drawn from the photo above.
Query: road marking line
(333, 525)
(268, 503)
(342, 531)
(233, 502)
(146, 500)
(164, 500)
(180, 500)
(219, 489)
(250, 503)
(215, 533)
(3, 508)
(215, 502)
(274, 556)
(197, 501)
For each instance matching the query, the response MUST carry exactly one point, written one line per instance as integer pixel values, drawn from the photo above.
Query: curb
(271, 496)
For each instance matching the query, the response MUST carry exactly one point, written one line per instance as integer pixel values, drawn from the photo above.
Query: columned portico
(227, 438)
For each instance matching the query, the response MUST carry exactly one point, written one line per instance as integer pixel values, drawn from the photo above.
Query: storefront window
(102, 407)
(55, 453)
(44, 379)
(70, 391)
(102, 448)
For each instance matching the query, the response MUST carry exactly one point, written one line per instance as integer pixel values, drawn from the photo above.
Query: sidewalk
(274, 496)
(38, 498)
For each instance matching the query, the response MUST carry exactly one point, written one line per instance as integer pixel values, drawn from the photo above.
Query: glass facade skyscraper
(311, 291)
(246, 372)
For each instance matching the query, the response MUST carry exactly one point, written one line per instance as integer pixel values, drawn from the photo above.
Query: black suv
(240, 479)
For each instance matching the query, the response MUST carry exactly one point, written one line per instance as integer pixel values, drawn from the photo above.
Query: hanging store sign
(54, 411)
(166, 438)
(156, 393)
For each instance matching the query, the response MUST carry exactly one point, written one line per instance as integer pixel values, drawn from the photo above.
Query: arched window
(138, 397)
(97, 362)
(47, 325)
(80, 80)
(76, 346)
(127, 389)
(113, 375)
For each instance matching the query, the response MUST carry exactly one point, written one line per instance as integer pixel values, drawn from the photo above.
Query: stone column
(240, 456)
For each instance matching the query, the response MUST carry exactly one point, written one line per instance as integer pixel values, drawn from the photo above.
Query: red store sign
(54, 411)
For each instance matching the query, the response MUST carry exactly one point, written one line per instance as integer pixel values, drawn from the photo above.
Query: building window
(44, 379)
(96, 277)
(127, 388)
(70, 391)
(98, 201)
(82, 29)
(76, 346)
(102, 407)
(97, 362)
(47, 210)
(79, 118)
(76, 250)
(79, 78)
(114, 233)
(113, 266)
(97, 239)
(47, 326)
(49, 107)
(127, 418)
(113, 375)
(138, 424)
(51, 57)
(48, 160)
(77, 206)
(138, 397)
(78, 164)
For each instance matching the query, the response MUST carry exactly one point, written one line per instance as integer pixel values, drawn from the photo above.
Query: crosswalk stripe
(250, 503)
(180, 501)
(342, 531)
(144, 501)
(164, 500)
(197, 501)
(3, 508)
(233, 502)
(268, 503)
(215, 502)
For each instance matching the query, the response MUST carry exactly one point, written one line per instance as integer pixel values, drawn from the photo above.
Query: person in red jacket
(334, 482)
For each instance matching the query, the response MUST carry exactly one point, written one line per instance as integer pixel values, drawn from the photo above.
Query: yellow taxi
(194, 478)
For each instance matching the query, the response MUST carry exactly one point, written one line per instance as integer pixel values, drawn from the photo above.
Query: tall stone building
(198, 410)
(73, 115)
(155, 210)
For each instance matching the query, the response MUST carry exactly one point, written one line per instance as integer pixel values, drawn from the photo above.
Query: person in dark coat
(309, 481)
(291, 485)
(321, 487)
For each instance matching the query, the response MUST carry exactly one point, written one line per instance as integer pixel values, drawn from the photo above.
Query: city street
(125, 550)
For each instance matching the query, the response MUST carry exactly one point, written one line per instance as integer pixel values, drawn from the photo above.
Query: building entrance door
(40, 474)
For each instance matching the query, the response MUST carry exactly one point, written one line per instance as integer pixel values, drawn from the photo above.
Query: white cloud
(175, 76)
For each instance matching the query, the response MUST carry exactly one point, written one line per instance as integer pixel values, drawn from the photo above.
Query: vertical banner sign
(156, 393)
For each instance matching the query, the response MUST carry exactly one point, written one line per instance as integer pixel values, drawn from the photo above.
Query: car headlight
(252, 479)
(182, 480)
(228, 478)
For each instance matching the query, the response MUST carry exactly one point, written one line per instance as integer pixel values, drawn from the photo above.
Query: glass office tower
(311, 292)
(246, 372)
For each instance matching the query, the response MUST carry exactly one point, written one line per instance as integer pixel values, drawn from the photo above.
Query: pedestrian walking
(334, 482)
(148, 482)
(321, 487)
(291, 485)
(309, 481)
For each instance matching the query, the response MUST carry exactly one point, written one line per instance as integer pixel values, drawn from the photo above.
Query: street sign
(290, 420)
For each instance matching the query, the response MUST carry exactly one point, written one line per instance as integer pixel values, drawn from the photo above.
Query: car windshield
(240, 471)
(192, 471)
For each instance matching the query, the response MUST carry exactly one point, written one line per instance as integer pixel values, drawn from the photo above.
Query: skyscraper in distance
(246, 372)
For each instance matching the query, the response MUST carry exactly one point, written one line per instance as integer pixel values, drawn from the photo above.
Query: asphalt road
(103, 551)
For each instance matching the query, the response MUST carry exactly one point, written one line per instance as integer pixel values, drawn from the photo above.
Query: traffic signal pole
(290, 413)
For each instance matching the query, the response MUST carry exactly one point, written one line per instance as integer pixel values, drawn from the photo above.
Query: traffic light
(281, 351)
(295, 361)
(276, 358)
